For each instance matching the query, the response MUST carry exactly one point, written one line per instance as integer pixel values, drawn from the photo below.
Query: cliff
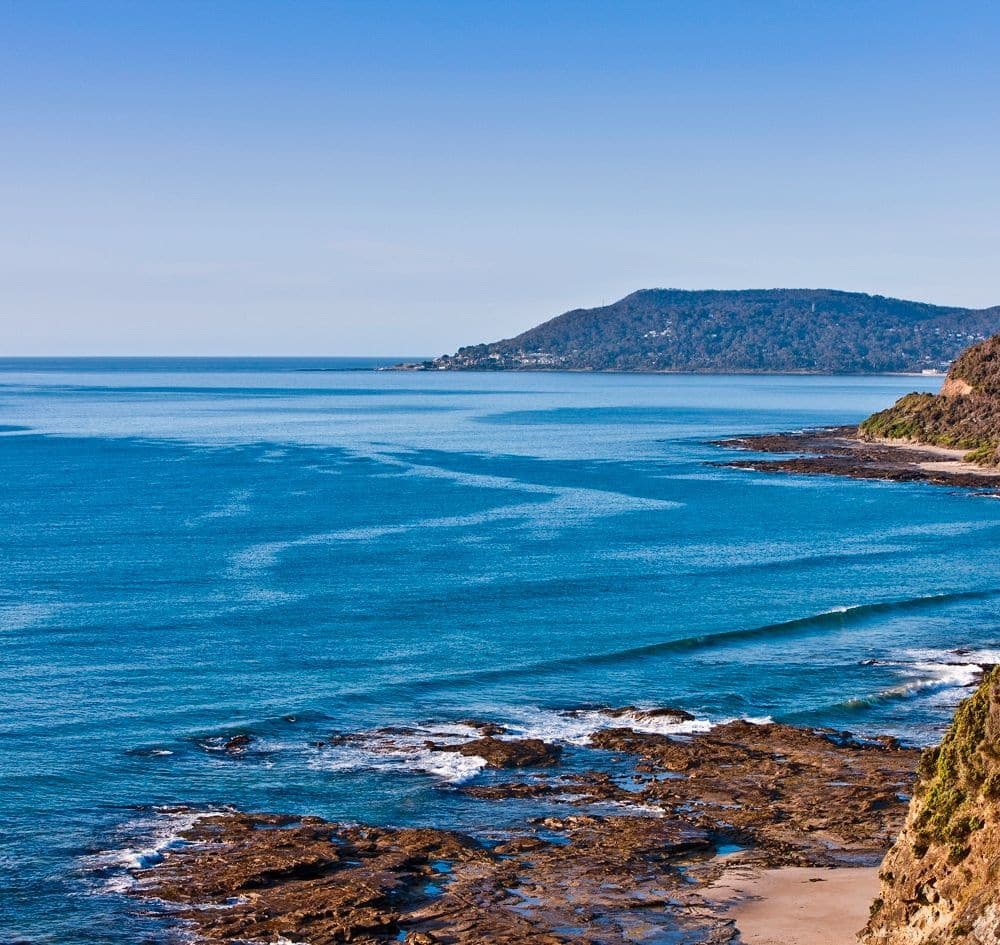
(964, 415)
(751, 330)
(941, 880)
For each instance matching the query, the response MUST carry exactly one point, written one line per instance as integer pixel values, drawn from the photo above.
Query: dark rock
(837, 451)
(789, 795)
(484, 728)
(656, 713)
(500, 753)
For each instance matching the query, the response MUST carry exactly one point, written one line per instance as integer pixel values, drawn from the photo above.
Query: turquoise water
(192, 550)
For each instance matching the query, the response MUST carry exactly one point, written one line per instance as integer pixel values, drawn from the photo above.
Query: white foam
(945, 675)
(951, 669)
(574, 727)
(405, 750)
(157, 835)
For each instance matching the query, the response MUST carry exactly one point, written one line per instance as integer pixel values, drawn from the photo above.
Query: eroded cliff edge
(941, 879)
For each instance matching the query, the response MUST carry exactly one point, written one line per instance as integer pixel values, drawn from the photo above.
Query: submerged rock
(238, 743)
(484, 727)
(941, 880)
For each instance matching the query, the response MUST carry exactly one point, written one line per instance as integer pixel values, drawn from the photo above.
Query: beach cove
(344, 567)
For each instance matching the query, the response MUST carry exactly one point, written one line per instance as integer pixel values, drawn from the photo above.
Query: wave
(575, 726)
(404, 749)
(410, 748)
(926, 673)
(150, 838)
(835, 617)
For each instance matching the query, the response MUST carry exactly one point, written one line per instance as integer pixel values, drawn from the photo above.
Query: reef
(655, 819)
(840, 451)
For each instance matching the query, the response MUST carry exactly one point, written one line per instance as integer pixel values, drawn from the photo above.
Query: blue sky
(402, 178)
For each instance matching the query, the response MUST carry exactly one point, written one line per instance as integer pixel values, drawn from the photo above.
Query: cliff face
(979, 367)
(965, 415)
(941, 880)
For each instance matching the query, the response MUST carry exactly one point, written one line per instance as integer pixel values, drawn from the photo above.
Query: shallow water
(193, 549)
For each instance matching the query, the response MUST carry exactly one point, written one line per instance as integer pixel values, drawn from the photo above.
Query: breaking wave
(834, 618)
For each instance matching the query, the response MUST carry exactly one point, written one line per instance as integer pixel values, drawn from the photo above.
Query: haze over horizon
(365, 179)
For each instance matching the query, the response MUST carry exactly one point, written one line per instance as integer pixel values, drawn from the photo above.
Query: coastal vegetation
(753, 330)
(964, 415)
(941, 880)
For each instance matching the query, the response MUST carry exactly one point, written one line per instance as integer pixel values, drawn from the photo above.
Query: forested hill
(757, 330)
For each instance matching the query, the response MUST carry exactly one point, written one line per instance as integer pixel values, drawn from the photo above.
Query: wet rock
(253, 877)
(838, 451)
(659, 712)
(501, 753)
(238, 743)
(625, 866)
(484, 728)
(780, 786)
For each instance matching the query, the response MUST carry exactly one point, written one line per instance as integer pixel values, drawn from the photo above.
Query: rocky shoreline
(838, 451)
(630, 860)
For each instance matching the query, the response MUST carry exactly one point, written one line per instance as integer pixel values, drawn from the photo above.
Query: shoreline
(650, 837)
(837, 451)
(406, 367)
(795, 905)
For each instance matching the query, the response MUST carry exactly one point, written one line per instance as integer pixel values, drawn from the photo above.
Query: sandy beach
(797, 905)
(951, 460)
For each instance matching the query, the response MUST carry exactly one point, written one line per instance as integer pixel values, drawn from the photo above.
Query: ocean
(303, 549)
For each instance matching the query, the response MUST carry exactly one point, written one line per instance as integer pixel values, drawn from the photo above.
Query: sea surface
(192, 549)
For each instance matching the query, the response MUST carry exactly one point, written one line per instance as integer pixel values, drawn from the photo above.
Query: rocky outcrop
(838, 451)
(941, 880)
(502, 753)
(964, 415)
(798, 796)
(956, 387)
(614, 855)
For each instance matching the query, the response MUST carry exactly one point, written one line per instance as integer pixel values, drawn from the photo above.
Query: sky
(390, 178)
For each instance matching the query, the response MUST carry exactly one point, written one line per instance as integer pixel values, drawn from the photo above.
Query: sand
(797, 905)
(952, 460)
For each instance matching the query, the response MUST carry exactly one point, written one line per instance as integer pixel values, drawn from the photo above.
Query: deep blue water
(195, 549)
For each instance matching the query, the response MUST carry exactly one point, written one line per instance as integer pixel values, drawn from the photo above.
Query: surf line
(836, 617)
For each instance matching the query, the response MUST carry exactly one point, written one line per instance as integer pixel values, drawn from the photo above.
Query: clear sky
(402, 178)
